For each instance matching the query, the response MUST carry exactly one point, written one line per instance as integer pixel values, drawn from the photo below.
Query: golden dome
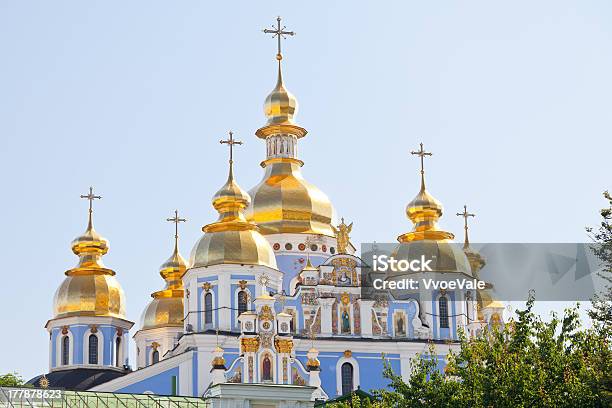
(166, 309)
(232, 239)
(283, 202)
(89, 289)
(426, 238)
(280, 105)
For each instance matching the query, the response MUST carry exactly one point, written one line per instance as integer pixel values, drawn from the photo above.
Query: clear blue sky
(513, 98)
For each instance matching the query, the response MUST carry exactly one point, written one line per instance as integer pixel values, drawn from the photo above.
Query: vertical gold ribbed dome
(232, 239)
(89, 289)
(284, 202)
(167, 309)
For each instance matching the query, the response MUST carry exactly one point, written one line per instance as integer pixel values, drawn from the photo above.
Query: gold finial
(422, 153)
(230, 142)
(280, 33)
(342, 232)
(90, 197)
(465, 214)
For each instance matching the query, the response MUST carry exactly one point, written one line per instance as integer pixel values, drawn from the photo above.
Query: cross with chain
(176, 219)
(422, 153)
(280, 33)
(90, 197)
(231, 142)
(465, 214)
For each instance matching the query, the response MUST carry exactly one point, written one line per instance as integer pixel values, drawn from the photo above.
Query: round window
(288, 246)
(332, 250)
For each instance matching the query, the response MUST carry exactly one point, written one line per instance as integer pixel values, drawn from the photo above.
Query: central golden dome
(283, 202)
(232, 239)
(89, 289)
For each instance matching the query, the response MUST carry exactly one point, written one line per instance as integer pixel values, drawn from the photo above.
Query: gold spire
(477, 262)
(424, 210)
(465, 214)
(232, 239)
(90, 246)
(280, 105)
(230, 201)
(309, 266)
(166, 309)
(173, 269)
(90, 288)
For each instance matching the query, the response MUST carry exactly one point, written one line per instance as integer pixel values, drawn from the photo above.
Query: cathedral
(270, 294)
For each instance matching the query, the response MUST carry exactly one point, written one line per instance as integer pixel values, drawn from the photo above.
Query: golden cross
(280, 33)
(91, 196)
(176, 219)
(465, 214)
(231, 142)
(422, 153)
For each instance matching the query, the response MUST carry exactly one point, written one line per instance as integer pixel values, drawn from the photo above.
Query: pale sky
(513, 99)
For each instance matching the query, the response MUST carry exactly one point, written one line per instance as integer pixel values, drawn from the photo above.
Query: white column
(224, 301)
(365, 312)
(326, 315)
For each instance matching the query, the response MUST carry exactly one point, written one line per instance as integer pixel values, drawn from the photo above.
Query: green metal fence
(14, 397)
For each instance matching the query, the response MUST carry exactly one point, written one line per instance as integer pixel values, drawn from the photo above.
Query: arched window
(443, 312)
(118, 351)
(208, 308)
(93, 349)
(155, 356)
(347, 378)
(65, 350)
(242, 302)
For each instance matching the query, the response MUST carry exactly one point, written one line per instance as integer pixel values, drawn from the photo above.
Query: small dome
(280, 106)
(246, 247)
(232, 239)
(89, 289)
(163, 311)
(89, 295)
(446, 255)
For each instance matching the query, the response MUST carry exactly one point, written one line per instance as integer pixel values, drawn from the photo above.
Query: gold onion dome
(284, 202)
(426, 238)
(89, 289)
(232, 239)
(166, 309)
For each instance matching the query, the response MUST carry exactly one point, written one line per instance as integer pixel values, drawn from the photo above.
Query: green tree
(525, 363)
(11, 380)
(601, 313)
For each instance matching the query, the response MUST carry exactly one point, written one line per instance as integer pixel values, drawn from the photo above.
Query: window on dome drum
(242, 302)
(65, 350)
(347, 378)
(443, 312)
(155, 356)
(208, 309)
(118, 351)
(93, 349)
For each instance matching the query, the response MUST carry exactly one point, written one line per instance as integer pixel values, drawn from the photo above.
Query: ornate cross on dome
(231, 142)
(176, 220)
(465, 214)
(422, 153)
(90, 197)
(280, 33)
